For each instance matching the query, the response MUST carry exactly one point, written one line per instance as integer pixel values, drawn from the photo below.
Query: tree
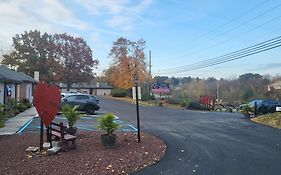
(172, 81)
(128, 63)
(194, 89)
(185, 80)
(249, 76)
(160, 79)
(58, 57)
(31, 52)
(75, 57)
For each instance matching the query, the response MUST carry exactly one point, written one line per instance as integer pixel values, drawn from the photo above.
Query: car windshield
(273, 102)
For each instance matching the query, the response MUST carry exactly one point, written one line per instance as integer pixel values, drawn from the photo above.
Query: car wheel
(272, 109)
(262, 110)
(89, 110)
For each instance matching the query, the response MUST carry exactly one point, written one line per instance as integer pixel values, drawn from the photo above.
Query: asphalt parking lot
(206, 143)
(87, 123)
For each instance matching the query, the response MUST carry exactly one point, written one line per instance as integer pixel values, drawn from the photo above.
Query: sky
(178, 33)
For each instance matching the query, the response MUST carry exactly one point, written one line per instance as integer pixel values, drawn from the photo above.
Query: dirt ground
(89, 157)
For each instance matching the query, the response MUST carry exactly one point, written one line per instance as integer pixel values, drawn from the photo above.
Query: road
(211, 143)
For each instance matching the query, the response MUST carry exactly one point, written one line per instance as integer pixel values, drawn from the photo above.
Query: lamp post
(137, 106)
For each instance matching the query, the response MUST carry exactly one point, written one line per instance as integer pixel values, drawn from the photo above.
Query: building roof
(86, 86)
(8, 75)
(276, 85)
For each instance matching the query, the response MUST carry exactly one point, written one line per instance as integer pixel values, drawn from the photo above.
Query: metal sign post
(41, 134)
(137, 108)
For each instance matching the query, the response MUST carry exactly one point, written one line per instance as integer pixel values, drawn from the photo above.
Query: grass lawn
(273, 120)
(146, 103)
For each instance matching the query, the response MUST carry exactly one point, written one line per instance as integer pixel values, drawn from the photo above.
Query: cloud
(268, 66)
(47, 16)
(55, 11)
(122, 14)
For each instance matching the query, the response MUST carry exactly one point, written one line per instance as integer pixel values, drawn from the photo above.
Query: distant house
(15, 85)
(87, 88)
(275, 86)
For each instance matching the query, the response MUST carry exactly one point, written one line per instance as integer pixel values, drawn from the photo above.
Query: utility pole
(217, 91)
(149, 64)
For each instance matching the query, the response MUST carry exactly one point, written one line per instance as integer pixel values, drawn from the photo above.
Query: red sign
(47, 101)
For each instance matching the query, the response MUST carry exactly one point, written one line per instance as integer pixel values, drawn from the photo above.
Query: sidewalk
(14, 124)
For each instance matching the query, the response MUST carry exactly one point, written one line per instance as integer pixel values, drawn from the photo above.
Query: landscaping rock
(55, 144)
(53, 150)
(32, 149)
(46, 145)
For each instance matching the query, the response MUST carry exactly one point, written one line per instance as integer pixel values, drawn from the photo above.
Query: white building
(87, 88)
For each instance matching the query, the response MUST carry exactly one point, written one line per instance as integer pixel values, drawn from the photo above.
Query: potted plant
(72, 115)
(247, 110)
(107, 124)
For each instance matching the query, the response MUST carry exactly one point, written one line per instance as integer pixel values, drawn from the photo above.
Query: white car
(63, 94)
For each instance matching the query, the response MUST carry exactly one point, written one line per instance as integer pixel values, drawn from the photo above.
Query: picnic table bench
(57, 132)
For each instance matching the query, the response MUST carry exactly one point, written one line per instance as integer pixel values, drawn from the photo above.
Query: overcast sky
(178, 33)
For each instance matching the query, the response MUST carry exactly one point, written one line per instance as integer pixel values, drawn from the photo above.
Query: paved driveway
(206, 142)
(88, 123)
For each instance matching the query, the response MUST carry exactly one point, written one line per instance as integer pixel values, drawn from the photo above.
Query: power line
(229, 54)
(236, 18)
(257, 48)
(245, 22)
(230, 21)
(241, 34)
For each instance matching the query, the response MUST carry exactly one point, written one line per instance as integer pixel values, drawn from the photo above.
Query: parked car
(264, 106)
(86, 102)
(69, 93)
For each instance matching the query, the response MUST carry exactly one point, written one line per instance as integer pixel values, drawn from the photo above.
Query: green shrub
(196, 106)
(160, 104)
(23, 105)
(71, 114)
(247, 110)
(229, 110)
(11, 104)
(11, 107)
(2, 124)
(146, 97)
(107, 123)
(2, 116)
(25, 101)
(183, 104)
(118, 93)
(174, 101)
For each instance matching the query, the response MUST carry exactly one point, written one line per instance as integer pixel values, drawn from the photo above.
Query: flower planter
(71, 130)
(108, 140)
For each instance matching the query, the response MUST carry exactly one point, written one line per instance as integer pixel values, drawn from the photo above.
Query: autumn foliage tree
(75, 57)
(128, 63)
(58, 57)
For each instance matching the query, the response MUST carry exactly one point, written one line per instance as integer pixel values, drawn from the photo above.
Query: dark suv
(87, 103)
(265, 106)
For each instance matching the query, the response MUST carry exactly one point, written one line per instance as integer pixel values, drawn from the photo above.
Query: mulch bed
(89, 157)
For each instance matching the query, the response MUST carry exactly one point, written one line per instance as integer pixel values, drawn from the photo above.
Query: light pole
(137, 106)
